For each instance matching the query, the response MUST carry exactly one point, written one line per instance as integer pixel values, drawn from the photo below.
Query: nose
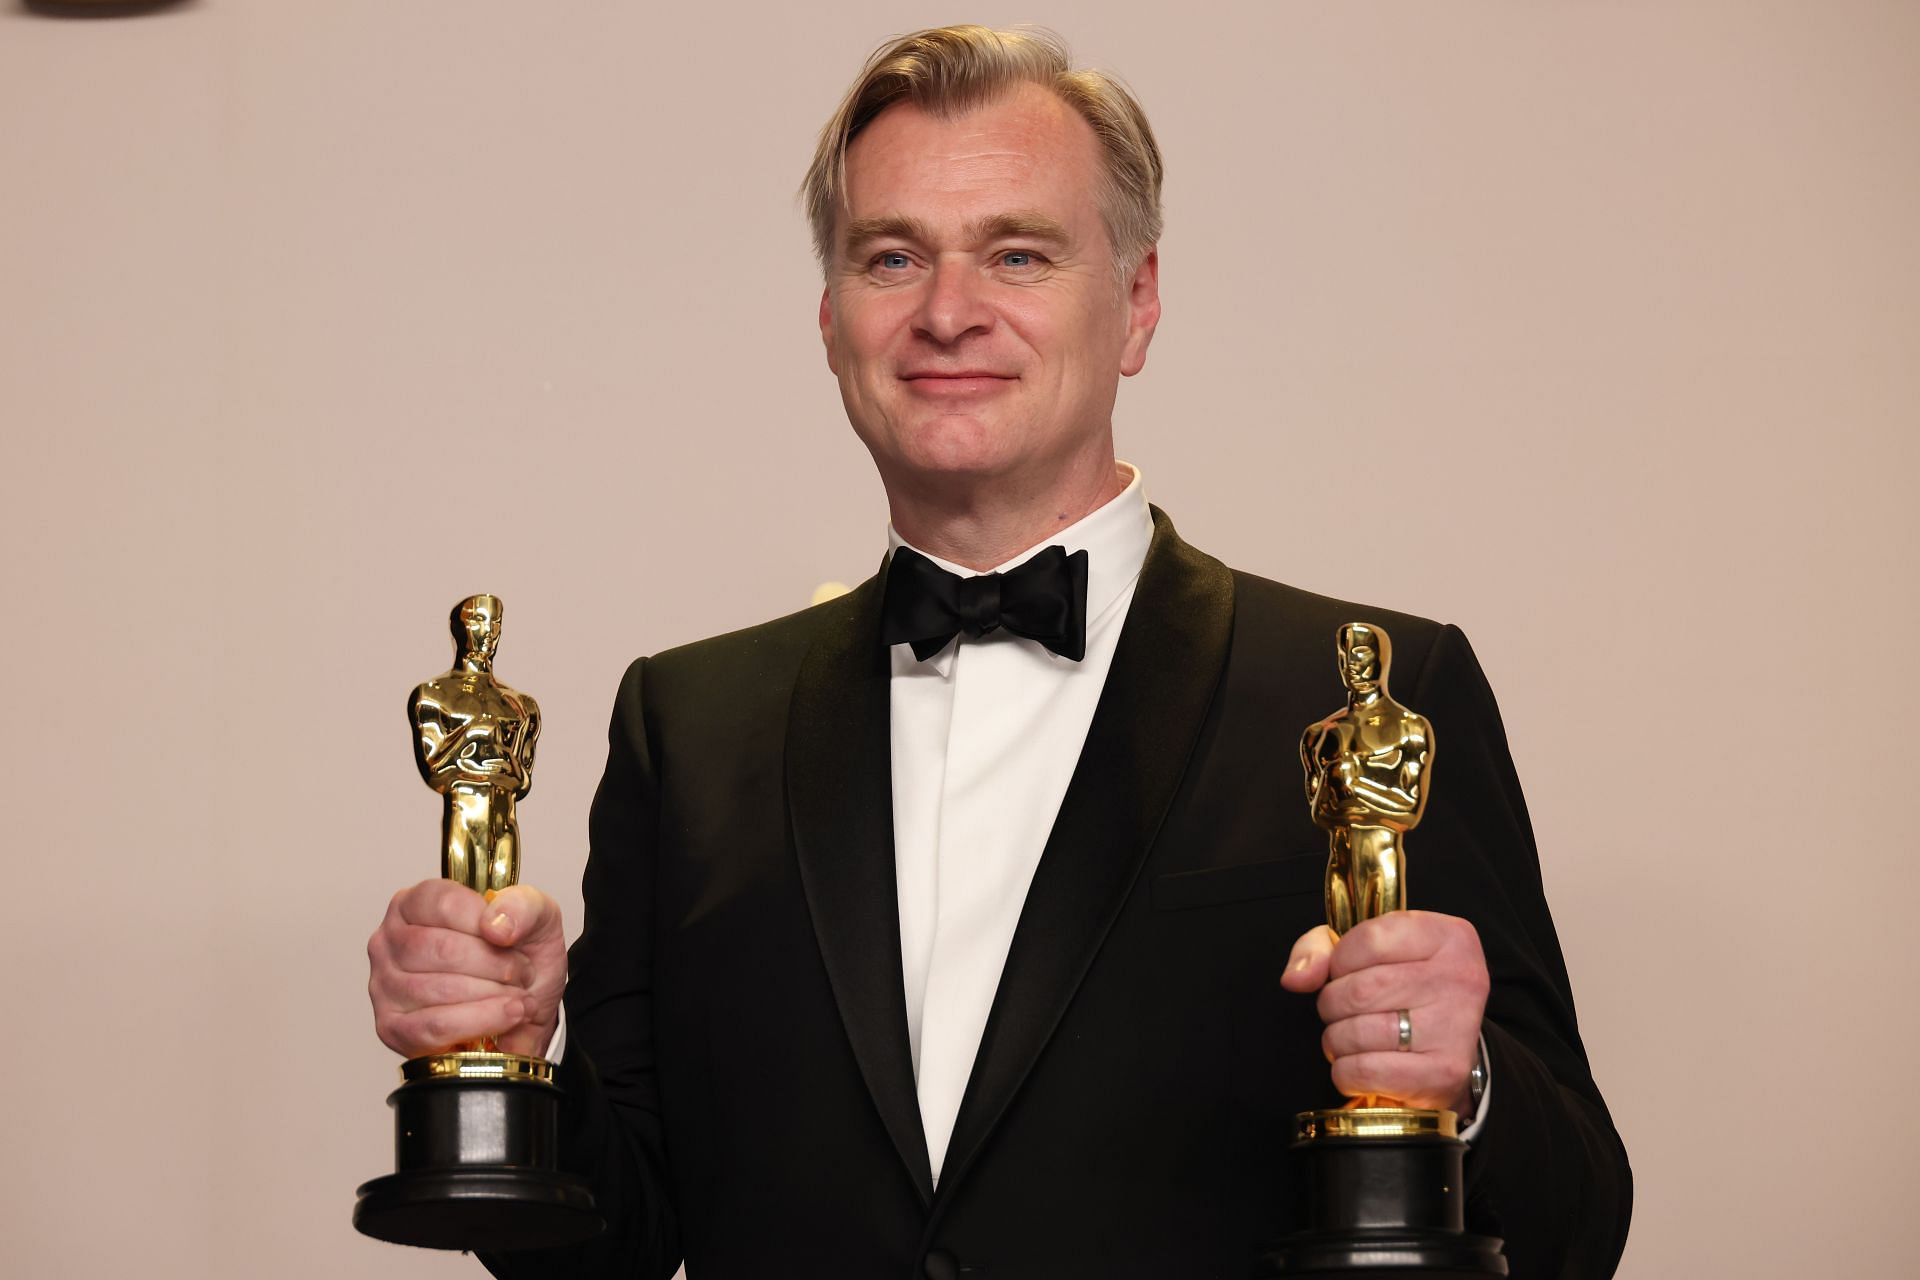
(954, 304)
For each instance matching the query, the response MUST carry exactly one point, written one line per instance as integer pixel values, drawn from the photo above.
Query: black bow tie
(1044, 599)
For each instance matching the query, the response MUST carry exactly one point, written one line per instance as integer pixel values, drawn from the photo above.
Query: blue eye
(1017, 258)
(893, 260)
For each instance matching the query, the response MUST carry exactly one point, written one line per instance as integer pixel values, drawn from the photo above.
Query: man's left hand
(1428, 964)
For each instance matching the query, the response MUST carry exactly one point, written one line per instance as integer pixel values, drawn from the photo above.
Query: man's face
(971, 312)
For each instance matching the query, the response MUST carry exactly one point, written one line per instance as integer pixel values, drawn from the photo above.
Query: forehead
(1026, 150)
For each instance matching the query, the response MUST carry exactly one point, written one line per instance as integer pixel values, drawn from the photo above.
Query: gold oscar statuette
(473, 739)
(1367, 769)
(476, 1128)
(1383, 1180)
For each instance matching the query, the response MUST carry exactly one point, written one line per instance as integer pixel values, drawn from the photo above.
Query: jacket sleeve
(1547, 1172)
(610, 1126)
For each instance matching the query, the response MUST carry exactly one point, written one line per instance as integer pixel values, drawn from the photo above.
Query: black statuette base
(475, 1164)
(1388, 1207)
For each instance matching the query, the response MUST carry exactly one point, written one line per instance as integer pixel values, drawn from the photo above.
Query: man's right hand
(450, 967)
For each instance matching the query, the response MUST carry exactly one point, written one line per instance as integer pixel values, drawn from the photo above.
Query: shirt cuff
(1467, 1134)
(558, 1045)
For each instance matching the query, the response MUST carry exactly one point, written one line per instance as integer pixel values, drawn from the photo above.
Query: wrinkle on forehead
(957, 165)
(982, 155)
(1027, 153)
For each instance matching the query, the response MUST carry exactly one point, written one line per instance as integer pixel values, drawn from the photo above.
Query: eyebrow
(1024, 225)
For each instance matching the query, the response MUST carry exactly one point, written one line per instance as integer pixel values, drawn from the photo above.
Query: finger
(527, 1039)
(439, 1028)
(427, 950)
(407, 992)
(521, 915)
(441, 904)
(1364, 1033)
(1379, 989)
(1307, 965)
(1398, 937)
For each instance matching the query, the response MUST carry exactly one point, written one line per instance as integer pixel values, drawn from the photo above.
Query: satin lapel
(840, 802)
(1168, 663)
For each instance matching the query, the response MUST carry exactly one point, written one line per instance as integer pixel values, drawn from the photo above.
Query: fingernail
(1300, 965)
(501, 923)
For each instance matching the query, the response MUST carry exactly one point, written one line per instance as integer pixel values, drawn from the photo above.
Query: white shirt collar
(1115, 537)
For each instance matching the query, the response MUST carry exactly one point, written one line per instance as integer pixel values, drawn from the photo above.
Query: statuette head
(1365, 655)
(476, 630)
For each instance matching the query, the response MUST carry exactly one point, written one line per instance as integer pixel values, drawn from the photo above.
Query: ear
(1143, 313)
(826, 329)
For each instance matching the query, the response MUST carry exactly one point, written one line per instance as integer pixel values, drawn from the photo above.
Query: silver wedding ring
(1406, 1031)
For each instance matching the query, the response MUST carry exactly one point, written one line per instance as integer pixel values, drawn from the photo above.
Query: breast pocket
(1298, 873)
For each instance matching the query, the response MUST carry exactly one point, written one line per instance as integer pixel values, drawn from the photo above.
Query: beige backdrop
(316, 315)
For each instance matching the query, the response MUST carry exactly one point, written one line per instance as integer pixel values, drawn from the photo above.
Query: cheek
(869, 329)
(1071, 339)
(1040, 332)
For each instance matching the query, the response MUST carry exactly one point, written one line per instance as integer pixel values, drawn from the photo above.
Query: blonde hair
(948, 71)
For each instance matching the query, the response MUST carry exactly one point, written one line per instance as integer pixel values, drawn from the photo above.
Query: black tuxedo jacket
(738, 1084)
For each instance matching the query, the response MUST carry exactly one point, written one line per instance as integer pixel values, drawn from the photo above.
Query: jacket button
(941, 1265)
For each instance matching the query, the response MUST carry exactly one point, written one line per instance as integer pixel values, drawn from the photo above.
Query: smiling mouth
(963, 375)
(956, 384)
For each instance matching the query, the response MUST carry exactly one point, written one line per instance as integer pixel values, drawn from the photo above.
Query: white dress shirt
(986, 734)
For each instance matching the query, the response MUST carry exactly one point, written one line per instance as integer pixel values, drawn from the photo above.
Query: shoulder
(776, 644)
(1265, 610)
(1288, 627)
(427, 696)
(749, 668)
(1276, 627)
(1264, 607)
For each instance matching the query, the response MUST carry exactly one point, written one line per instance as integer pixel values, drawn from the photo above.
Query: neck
(984, 521)
(475, 663)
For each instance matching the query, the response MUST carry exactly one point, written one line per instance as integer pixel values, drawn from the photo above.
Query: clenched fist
(1429, 964)
(449, 968)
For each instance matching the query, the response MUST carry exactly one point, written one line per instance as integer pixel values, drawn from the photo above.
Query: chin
(957, 444)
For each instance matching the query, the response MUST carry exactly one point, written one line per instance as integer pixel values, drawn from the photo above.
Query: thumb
(520, 915)
(1307, 966)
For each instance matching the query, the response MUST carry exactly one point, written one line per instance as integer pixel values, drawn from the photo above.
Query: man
(940, 929)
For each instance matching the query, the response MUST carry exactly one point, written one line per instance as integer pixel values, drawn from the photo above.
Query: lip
(956, 383)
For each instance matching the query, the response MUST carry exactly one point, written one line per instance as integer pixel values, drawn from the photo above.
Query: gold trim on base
(1375, 1122)
(474, 1064)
